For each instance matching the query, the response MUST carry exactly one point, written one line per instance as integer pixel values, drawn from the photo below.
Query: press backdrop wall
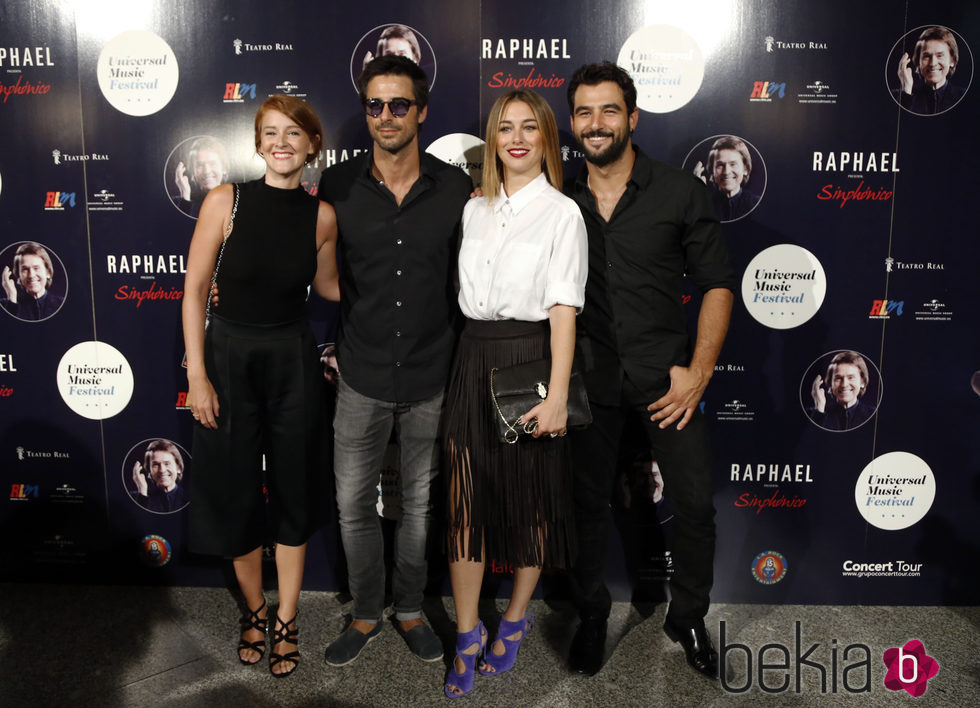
(863, 238)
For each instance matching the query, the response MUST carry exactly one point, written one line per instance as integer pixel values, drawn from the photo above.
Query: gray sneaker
(422, 641)
(347, 647)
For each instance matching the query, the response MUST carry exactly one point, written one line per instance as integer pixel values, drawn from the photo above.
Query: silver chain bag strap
(217, 263)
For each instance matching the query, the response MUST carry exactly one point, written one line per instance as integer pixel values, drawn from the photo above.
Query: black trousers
(685, 463)
(270, 391)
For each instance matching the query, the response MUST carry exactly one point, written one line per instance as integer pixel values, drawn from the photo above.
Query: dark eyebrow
(603, 107)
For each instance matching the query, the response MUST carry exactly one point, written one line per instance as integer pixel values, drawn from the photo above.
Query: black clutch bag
(517, 389)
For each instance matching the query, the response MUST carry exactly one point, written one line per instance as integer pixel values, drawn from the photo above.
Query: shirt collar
(527, 194)
(426, 166)
(641, 176)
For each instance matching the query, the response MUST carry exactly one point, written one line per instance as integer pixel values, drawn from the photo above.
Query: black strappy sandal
(284, 635)
(249, 621)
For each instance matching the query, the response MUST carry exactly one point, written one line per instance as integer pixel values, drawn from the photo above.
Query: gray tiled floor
(135, 646)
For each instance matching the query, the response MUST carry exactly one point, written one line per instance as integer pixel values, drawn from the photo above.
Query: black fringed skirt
(507, 503)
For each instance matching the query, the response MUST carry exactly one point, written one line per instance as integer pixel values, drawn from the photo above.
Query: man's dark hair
(397, 66)
(594, 74)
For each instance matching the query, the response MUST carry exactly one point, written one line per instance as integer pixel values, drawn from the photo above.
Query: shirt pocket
(520, 268)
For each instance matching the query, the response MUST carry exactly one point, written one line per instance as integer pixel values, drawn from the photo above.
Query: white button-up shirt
(522, 254)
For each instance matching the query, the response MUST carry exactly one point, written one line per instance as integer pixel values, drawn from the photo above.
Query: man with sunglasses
(398, 214)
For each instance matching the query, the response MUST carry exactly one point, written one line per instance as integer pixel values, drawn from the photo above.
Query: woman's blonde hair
(551, 158)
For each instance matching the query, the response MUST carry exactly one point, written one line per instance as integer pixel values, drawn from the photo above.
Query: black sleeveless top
(270, 257)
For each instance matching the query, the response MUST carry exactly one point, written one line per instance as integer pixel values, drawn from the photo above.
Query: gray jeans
(362, 427)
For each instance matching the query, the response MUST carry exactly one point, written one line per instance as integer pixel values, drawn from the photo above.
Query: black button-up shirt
(27, 308)
(397, 267)
(663, 229)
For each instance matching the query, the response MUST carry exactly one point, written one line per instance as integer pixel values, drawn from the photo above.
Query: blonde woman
(522, 270)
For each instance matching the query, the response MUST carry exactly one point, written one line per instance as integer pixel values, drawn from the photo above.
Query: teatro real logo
(25, 454)
(892, 265)
(241, 47)
(62, 157)
(773, 45)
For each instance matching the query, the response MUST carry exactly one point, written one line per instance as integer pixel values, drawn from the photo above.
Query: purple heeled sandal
(465, 640)
(504, 662)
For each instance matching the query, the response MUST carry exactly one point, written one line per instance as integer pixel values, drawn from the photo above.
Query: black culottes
(507, 503)
(269, 383)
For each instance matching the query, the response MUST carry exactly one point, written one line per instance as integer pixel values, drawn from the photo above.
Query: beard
(610, 153)
(394, 143)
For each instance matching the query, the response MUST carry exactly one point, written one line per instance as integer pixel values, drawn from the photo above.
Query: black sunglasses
(398, 106)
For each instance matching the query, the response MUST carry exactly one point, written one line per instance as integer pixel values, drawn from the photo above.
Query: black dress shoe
(588, 647)
(697, 646)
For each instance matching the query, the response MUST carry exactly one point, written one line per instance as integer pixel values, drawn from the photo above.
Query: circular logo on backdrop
(195, 167)
(389, 39)
(783, 286)
(137, 72)
(929, 70)
(156, 475)
(895, 491)
(734, 172)
(34, 281)
(841, 390)
(154, 550)
(666, 65)
(95, 380)
(769, 567)
(463, 150)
